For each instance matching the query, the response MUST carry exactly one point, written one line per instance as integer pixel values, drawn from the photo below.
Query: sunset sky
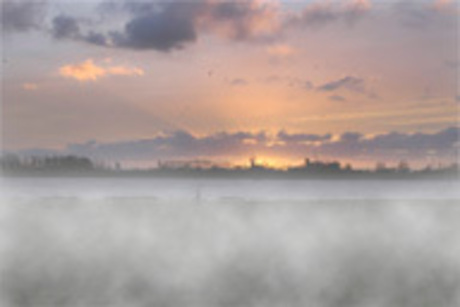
(355, 80)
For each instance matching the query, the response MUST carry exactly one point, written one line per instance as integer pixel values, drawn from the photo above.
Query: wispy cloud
(239, 82)
(281, 50)
(89, 71)
(321, 13)
(337, 98)
(124, 71)
(348, 82)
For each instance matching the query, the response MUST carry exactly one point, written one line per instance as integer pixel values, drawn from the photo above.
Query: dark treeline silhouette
(54, 164)
(72, 165)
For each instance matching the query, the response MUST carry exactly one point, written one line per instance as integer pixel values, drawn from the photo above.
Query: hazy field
(146, 251)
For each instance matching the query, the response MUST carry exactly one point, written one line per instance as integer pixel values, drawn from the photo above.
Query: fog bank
(144, 252)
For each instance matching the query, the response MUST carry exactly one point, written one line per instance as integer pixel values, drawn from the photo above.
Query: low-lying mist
(136, 252)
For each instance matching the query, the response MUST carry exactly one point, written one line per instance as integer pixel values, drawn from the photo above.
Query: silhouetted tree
(10, 162)
(403, 167)
(380, 167)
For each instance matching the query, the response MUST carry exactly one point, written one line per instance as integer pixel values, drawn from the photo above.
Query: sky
(358, 81)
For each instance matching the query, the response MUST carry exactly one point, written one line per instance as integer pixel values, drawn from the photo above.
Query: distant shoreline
(234, 175)
(74, 166)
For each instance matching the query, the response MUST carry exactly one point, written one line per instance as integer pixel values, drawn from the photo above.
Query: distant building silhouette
(403, 167)
(59, 165)
(185, 164)
(319, 166)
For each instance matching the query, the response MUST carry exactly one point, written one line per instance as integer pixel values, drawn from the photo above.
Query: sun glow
(270, 162)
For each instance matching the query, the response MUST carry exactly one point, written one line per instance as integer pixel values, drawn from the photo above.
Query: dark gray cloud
(179, 144)
(172, 25)
(96, 39)
(22, 16)
(349, 145)
(166, 26)
(349, 82)
(397, 145)
(351, 137)
(169, 28)
(448, 138)
(318, 14)
(65, 27)
(302, 137)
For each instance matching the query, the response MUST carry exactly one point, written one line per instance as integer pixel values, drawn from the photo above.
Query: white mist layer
(228, 189)
(142, 252)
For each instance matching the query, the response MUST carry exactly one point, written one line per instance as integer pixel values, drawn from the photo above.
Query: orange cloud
(83, 72)
(30, 86)
(125, 71)
(89, 71)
